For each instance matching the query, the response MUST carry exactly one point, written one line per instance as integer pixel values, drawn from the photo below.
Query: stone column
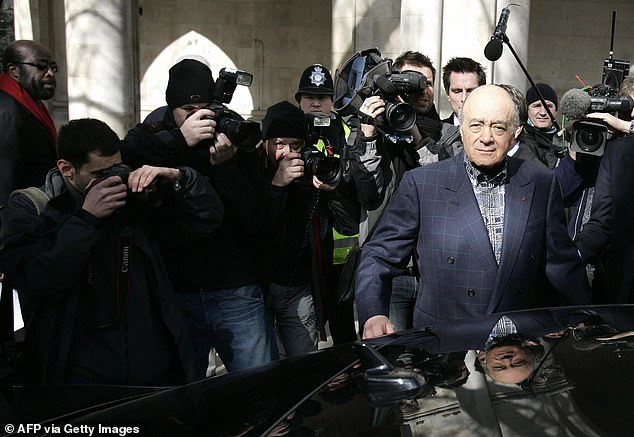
(421, 30)
(101, 61)
(421, 27)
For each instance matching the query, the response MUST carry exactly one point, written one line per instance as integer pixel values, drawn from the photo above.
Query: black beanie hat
(284, 120)
(547, 92)
(316, 79)
(190, 82)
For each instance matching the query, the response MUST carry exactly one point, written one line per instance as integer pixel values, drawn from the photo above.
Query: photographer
(315, 97)
(387, 157)
(97, 303)
(216, 280)
(607, 237)
(304, 211)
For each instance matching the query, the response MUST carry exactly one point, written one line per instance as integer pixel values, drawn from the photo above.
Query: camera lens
(244, 134)
(400, 116)
(589, 138)
(328, 170)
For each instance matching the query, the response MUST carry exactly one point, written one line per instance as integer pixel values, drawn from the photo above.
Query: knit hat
(547, 92)
(284, 120)
(316, 79)
(190, 81)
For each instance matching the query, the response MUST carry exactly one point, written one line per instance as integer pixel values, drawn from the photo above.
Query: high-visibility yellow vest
(342, 244)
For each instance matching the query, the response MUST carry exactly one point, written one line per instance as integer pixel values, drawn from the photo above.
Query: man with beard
(27, 132)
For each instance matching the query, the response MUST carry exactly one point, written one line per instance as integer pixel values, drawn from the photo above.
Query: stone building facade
(115, 54)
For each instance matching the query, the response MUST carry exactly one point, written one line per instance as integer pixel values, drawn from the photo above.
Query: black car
(562, 371)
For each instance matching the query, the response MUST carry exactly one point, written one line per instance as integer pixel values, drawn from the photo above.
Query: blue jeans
(233, 321)
(293, 310)
(404, 290)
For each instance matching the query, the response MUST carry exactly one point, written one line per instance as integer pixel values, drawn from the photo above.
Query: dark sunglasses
(41, 65)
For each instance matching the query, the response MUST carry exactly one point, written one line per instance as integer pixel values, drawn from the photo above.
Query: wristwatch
(631, 130)
(177, 183)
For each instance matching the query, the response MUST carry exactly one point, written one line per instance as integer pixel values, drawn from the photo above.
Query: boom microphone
(493, 49)
(575, 103)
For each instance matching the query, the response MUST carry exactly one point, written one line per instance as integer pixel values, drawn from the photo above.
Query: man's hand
(197, 128)
(376, 326)
(372, 107)
(141, 178)
(324, 187)
(105, 197)
(222, 150)
(289, 168)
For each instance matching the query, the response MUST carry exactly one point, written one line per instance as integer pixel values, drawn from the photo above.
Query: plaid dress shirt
(489, 192)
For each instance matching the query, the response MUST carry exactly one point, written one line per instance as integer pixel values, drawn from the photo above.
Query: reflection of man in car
(511, 360)
(508, 356)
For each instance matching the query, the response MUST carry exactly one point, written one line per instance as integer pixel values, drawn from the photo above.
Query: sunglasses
(41, 65)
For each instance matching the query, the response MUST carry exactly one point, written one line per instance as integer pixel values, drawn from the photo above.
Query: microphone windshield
(574, 103)
(493, 49)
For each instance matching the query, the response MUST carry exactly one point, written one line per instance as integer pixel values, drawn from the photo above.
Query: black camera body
(243, 133)
(151, 195)
(398, 116)
(366, 74)
(317, 123)
(328, 169)
(121, 170)
(591, 136)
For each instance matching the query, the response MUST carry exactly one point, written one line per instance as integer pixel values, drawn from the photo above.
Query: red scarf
(39, 111)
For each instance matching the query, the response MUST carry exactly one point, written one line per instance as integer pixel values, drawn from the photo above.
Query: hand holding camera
(371, 108)
(322, 186)
(105, 196)
(221, 150)
(198, 126)
(615, 123)
(143, 178)
(289, 168)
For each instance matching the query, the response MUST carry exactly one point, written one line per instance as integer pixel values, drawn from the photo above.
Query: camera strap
(123, 276)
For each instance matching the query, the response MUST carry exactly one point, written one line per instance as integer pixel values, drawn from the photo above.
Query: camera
(590, 136)
(317, 123)
(366, 74)
(150, 195)
(243, 133)
(398, 115)
(328, 169)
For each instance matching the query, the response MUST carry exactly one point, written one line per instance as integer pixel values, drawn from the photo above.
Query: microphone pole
(506, 41)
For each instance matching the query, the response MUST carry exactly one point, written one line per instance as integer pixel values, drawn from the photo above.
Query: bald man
(488, 231)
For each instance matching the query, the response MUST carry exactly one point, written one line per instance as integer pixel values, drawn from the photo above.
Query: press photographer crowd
(351, 210)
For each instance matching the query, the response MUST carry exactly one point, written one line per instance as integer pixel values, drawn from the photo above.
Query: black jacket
(27, 150)
(227, 258)
(610, 224)
(298, 248)
(62, 264)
